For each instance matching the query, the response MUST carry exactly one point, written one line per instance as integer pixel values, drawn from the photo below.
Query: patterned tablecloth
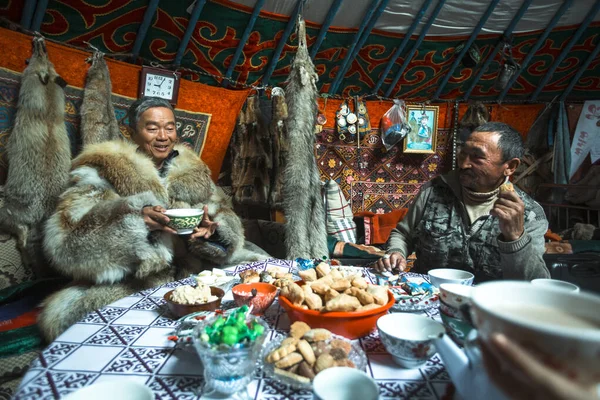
(128, 339)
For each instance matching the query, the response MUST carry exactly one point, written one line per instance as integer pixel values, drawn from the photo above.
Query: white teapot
(557, 325)
(466, 369)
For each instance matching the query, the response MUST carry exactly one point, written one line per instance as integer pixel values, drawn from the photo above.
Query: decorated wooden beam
(586, 22)
(340, 74)
(143, 30)
(559, 13)
(286, 34)
(414, 49)
(27, 14)
(457, 60)
(238, 50)
(189, 30)
(38, 17)
(499, 46)
(403, 44)
(333, 9)
(580, 72)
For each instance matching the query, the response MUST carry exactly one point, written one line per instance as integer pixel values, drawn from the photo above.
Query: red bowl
(265, 295)
(350, 324)
(184, 309)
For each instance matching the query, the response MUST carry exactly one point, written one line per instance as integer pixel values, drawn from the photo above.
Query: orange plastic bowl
(265, 295)
(352, 325)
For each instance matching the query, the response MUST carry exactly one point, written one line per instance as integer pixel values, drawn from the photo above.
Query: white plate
(118, 389)
(414, 303)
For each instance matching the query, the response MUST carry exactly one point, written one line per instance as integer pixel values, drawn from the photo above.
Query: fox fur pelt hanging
(252, 162)
(306, 236)
(39, 156)
(280, 145)
(98, 121)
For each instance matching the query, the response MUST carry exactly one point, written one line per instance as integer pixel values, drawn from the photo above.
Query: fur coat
(98, 237)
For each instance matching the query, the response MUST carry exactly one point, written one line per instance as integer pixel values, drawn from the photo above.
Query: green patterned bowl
(457, 328)
(184, 220)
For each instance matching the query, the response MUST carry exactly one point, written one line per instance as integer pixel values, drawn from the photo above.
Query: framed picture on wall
(423, 134)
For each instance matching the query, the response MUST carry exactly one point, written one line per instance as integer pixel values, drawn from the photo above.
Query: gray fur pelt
(306, 236)
(98, 121)
(98, 236)
(39, 156)
(280, 145)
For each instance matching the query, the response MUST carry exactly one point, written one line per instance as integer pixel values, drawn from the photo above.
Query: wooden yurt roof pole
(563, 8)
(349, 60)
(403, 44)
(498, 47)
(141, 35)
(238, 50)
(588, 18)
(189, 30)
(361, 29)
(27, 14)
(38, 17)
(286, 34)
(333, 9)
(414, 49)
(580, 72)
(458, 58)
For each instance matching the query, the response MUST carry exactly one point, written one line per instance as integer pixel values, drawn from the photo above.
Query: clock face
(159, 86)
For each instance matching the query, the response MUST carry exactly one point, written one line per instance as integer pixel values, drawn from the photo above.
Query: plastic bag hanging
(393, 126)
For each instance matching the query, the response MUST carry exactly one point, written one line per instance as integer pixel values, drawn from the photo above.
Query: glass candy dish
(228, 369)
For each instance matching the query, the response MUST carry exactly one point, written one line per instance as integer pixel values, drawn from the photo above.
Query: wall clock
(156, 82)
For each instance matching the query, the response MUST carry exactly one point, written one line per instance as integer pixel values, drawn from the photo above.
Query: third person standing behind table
(463, 220)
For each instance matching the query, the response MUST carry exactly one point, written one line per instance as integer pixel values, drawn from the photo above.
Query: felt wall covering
(223, 104)
(519, 116)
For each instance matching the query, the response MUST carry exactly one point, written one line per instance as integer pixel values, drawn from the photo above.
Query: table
(129, 339)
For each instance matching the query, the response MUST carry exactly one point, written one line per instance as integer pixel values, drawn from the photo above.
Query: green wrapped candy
(233, 329)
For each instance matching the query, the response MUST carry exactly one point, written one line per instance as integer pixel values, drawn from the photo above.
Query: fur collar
(131, 172)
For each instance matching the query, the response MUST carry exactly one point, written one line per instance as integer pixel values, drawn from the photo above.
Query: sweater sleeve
(523, 258)
(98, 236)
(401, 237)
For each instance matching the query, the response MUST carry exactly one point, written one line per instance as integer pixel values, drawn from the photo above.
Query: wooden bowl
(184, 309)
(351, 324)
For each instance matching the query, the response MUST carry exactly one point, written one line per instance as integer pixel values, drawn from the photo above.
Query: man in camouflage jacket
(462, 219)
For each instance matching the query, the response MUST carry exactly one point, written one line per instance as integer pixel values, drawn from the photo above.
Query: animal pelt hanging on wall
(39, 157)
(476, 114)
(306, 236)
(280, 145)
(98, 121)
(253, 182)
(235, 152)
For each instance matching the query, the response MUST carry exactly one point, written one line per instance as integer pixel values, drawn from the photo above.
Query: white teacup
(449, 275)
(562, 328)
(344, 383)
(556, 284)
(409, 338)
(454, 294)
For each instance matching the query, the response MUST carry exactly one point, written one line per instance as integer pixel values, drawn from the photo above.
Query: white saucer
(118, 389)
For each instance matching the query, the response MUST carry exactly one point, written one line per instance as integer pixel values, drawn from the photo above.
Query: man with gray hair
(464, 220)
(109, 232)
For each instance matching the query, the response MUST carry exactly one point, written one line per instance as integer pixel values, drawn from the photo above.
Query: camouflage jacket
(438, 229)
